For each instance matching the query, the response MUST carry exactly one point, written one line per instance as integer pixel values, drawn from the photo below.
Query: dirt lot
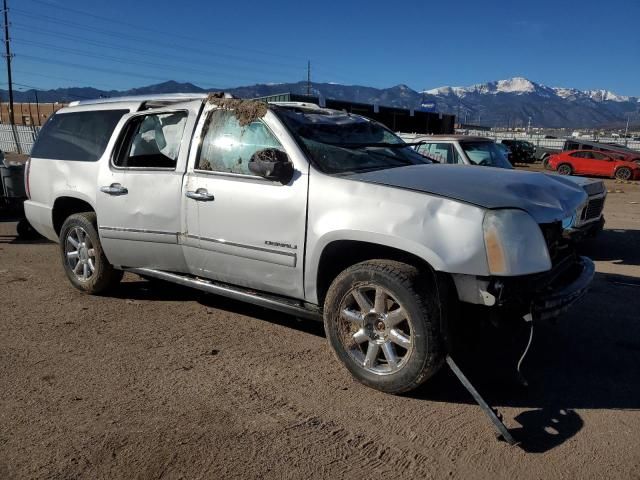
(162, 382)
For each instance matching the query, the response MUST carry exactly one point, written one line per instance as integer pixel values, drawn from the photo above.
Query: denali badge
(280, 244)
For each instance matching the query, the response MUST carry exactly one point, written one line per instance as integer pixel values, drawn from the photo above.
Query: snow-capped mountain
(500, 103)
(516, 100)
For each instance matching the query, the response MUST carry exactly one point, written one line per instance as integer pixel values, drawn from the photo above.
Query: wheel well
(341, 254)
(66, 206)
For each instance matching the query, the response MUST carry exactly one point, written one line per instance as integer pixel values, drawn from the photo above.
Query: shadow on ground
(589, 359)
(617, 246)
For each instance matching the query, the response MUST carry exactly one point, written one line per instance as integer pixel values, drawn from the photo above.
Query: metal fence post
(15, 138)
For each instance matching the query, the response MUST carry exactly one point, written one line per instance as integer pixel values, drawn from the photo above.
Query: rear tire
(82, 256)
(382, 319)
(623, 173)
(565, 169)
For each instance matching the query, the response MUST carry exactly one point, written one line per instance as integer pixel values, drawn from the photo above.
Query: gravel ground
(156, 381)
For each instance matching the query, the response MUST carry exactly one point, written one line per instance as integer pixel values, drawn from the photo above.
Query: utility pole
(626, 132)
(35, 92)
(309, 78)
(8, 57)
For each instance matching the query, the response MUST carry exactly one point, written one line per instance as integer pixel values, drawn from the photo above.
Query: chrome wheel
(375, 329)
(80, 254)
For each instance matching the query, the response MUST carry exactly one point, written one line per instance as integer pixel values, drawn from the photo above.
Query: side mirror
(272, 164)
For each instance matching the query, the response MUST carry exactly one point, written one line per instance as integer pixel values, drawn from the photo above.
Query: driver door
(241, 228)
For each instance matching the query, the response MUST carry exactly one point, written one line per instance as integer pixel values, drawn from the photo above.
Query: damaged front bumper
(546, 295)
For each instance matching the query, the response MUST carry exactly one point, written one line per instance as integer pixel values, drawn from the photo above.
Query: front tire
(83, 259)
(382, 320)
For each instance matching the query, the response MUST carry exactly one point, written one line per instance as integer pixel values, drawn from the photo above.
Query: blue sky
(123, 44)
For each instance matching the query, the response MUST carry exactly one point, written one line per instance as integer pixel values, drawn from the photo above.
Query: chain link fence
(17, 138)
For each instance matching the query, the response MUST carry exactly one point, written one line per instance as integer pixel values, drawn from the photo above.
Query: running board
(273, 302)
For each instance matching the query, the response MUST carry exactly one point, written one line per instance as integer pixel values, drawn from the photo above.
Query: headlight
(514, 243)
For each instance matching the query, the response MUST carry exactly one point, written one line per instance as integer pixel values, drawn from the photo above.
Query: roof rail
(162, 97)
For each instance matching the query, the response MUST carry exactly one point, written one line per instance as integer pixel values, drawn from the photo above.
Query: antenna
(308, 77)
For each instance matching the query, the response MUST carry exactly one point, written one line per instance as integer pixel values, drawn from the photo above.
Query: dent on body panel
(159, 203)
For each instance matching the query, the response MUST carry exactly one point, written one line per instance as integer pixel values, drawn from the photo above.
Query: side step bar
(274, 302)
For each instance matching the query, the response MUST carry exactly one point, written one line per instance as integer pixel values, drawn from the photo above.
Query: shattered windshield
(485, 154)
(339, 142)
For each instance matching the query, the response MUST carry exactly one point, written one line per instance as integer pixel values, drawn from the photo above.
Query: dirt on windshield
(246, 111)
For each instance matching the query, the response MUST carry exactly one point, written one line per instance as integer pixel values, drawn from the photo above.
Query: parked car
(590, 162)
(618, 151)
(480, 151)
(314, 212)
(521, 151)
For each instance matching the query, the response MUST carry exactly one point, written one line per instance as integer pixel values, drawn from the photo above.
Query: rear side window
(81, 136)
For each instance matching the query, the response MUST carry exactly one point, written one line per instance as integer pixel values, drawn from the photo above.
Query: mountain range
(510, 102)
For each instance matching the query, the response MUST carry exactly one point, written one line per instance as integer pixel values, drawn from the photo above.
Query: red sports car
(590, 162)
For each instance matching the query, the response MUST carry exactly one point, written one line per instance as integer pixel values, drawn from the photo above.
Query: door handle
(200, 194)
(114, 189)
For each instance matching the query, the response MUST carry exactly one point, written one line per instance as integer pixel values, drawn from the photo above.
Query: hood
(592, 186)
(547, 198)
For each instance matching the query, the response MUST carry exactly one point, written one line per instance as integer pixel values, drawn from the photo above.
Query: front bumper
(545, 295)
(564, 291)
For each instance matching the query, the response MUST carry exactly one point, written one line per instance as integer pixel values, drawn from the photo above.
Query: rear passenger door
(139, 197)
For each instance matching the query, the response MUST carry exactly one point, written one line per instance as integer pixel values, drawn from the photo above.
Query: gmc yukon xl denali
(314, 212)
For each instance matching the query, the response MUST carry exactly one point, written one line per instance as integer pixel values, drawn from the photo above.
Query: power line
(145, 40)
(139, 27)
(158, 54)
(135, 62)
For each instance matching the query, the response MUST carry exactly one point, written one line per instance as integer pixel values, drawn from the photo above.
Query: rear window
(79, 136)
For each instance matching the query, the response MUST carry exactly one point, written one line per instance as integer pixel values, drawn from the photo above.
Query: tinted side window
(578, 155)
(227, 147)
(77, 135)
(599, 156)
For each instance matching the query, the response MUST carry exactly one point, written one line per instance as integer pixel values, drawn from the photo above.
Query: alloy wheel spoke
(73, 241)
(390, 354)
(372, 354)
(396, 316)
(352, 316)
(380, 305)
(92, 267)
(72, 255)
(85, 271)
(362, 301)
(399, 338)
(77, 268)
(360, 336)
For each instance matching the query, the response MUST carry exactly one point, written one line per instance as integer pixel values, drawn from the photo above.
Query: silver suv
(313, 212)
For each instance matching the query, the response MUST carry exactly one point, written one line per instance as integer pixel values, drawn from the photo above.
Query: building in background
(34, 114)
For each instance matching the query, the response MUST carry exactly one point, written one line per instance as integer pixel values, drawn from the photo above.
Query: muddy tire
(382, 320)
(623, 173)
(82, 256)
(565, 169)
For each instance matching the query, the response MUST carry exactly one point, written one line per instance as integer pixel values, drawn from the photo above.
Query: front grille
(594, 209)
